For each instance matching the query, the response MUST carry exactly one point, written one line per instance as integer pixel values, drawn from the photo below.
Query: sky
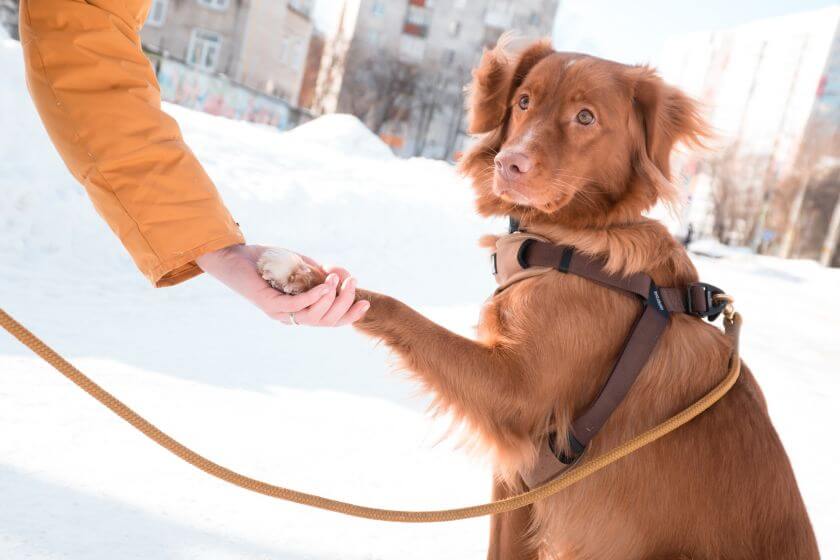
(634, 32)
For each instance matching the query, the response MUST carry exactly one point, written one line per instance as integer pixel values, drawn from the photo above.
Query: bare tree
(439, 92)
(379, 88)
(735, 196)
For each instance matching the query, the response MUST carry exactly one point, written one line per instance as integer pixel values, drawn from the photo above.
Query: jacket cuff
(182, 267)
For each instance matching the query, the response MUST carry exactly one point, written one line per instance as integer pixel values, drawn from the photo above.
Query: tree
(379, 87)
(735, 198)
(439, 92)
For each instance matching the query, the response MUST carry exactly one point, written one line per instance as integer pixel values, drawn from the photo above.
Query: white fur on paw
(284, 270)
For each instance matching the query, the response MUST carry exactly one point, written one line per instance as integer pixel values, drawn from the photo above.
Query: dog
(577, 148)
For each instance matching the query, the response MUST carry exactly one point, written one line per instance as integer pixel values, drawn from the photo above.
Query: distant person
(689, 235)
(99, 100)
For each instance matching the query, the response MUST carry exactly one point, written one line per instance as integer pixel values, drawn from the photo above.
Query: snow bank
(36, 186)
(317, 409)
(715, 249)
(344, 134)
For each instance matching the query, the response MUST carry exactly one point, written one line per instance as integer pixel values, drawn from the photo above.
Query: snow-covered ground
(318, 410)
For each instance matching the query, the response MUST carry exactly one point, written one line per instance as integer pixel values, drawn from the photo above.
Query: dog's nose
(512, 164)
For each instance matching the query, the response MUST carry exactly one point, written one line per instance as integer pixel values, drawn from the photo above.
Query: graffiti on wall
(217, 95)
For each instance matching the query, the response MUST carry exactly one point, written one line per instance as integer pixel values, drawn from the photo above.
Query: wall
(297, 34)
(217, 95)
(306, 99)
(183, 16)
(261, 44)
(274, 48)
(450, 44)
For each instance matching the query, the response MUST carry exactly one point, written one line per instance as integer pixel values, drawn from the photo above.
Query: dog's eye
(524, 100)
(585, 117)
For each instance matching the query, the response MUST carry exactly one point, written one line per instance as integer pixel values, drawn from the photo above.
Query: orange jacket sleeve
(100, 102)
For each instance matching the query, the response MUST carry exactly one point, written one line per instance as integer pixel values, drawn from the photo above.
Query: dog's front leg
(481, 384)
(509, 531)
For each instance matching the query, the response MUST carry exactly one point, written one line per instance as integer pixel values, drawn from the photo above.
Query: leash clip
(714, 298)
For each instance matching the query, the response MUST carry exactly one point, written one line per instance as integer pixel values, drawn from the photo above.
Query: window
(416, 15)
(157, 13)
(292, 53)
(448, 56)
(215, 4)
(296, 54)
(302, 51)
(373, 37)
(499, 14)
(412, 48)
(378, 8)
(204, 48)
(414, 29)
(285, 51)
(454, 28)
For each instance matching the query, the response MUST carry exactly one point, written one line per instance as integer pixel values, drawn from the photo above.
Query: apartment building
(770, 88)
(275, 43)
(428, 47)
(204, 33)
(311, 71)
(260, 43)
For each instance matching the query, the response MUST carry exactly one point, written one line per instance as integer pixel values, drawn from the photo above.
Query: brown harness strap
(522, 255)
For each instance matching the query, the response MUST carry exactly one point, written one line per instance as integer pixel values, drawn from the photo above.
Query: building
(772, 91)
(310, 74)
(259, 43)
(401, 66)
(207, 34)
(274, 47)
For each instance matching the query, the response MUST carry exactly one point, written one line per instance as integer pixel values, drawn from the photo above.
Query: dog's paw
(286, 271)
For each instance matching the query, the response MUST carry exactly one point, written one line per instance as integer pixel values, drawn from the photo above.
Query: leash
(587, 467)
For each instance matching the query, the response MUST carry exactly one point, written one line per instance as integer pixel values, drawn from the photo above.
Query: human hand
(325, 305)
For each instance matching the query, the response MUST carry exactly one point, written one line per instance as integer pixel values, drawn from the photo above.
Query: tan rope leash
(732, 325)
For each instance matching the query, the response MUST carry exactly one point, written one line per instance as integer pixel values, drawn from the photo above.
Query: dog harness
(521, 255)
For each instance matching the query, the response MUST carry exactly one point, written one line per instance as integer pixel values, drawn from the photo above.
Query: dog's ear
(495, 80)
(665, 116)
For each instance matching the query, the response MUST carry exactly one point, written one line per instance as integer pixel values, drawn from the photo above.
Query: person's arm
(99, 100)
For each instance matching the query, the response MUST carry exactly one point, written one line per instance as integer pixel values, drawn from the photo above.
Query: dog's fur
(719, 488)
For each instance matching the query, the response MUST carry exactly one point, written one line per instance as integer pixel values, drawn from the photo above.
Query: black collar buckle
(709, 306)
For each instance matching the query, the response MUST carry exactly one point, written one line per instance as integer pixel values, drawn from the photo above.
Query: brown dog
(577, 148)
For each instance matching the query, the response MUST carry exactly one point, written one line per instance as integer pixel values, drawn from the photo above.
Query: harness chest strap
(522, 255)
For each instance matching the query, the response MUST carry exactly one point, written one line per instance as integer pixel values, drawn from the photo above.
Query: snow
(714, 249)
(336, 132)
(317, 410)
